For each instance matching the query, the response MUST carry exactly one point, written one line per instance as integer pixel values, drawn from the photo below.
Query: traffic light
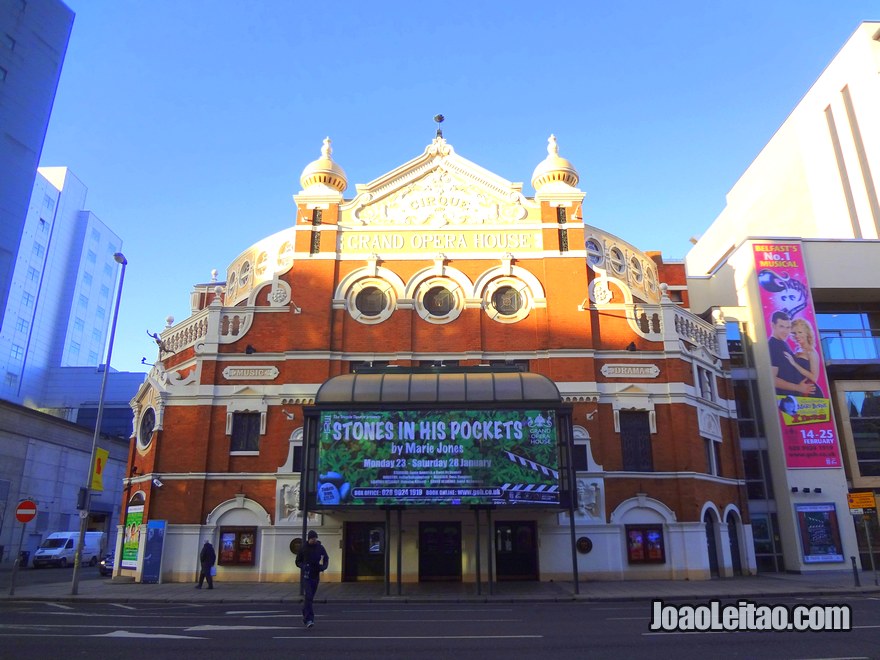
(82, 499)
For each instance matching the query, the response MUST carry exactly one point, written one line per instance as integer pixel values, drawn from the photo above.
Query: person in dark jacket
(312, 560)
(207, 557)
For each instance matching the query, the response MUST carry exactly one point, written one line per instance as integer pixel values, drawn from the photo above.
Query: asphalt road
(45, 576)
(479, 631)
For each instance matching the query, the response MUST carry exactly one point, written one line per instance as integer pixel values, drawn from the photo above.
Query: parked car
(105, 567)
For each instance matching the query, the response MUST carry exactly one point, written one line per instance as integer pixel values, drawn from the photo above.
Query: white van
(59, 548)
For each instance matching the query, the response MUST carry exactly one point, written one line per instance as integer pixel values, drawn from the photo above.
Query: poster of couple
(804, 410)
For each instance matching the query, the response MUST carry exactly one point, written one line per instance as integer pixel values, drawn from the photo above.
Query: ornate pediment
(709, 423)
(441, 198)
(633, 389)
(438, 189)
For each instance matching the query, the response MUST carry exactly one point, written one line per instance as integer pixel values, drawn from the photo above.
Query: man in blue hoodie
(312, 560)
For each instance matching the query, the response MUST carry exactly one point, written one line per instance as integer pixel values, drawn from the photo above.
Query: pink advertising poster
(802, 403)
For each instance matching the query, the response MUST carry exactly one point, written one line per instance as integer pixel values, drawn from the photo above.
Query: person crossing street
(312, 560)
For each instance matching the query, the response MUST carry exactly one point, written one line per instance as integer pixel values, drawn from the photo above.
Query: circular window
(595, 257)
(231, 285)
(245, 274)
(145, 429)
(439, 300)
(507, 301)
(285, 255)
(371, 301)
(635, 267)
(652, 280)
(618, 263)
(262, 263)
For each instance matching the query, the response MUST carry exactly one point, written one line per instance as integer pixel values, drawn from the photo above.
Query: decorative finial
(326, 150)
(213, 274)
(552, 147)
(439, 119)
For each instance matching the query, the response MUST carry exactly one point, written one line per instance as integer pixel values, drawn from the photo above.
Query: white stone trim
(627, 511)
(452, 279)
(241, 501)
(384, 286)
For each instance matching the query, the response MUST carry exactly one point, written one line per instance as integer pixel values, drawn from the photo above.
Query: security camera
(157, 483)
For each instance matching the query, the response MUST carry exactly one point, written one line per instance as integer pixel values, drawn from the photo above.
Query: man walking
(312, 560)
(207, 557)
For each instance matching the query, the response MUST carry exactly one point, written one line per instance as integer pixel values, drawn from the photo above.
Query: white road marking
(208, 627)
(307, 635)
(699, 632)
(330, 617)
(274, 616)
(254, 611)
(59, 605)
(125, 633)
(53, 626)
(615, 609)
(125, 607)
(420, 610)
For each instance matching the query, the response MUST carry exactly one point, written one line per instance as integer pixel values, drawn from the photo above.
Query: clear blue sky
(191, 121)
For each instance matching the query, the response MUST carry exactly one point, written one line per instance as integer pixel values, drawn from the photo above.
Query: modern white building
(800, 236)
(33, 42)
(52, 345)
(62, 290)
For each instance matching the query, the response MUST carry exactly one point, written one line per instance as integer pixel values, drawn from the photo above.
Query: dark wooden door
(516, 551)
(439, 552)
(364, 556)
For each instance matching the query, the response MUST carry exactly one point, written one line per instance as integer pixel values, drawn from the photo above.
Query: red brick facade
(596, 321)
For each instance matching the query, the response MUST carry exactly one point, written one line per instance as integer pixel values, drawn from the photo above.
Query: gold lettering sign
(365, 242)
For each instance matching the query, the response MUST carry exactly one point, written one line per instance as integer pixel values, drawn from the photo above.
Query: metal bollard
(855, 572)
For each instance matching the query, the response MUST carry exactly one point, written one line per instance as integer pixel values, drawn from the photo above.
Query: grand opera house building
(449, 381)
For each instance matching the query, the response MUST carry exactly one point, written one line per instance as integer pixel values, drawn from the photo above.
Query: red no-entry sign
(26, 511)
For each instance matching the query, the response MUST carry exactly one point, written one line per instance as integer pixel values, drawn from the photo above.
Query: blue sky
(191, 121)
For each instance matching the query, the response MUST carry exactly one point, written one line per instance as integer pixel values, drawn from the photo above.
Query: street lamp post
(84, 514)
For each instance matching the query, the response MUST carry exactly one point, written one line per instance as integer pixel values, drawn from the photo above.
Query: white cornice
(660, 476)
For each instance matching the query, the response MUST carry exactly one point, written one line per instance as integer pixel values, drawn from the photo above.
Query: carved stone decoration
(289, 511)
(438, 199)
(290, 499)
(280, 294)
(600, 292)
(179, 376)
(709, 423)
(588, 499)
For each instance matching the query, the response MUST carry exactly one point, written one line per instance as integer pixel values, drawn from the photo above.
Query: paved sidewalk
(763, 586)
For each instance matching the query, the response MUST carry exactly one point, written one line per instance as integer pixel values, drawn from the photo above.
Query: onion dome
(324, 172)
(554, 168)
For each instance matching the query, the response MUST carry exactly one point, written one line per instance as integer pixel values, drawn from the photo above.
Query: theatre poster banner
(131, 541)
(802, 403)
(438, 458)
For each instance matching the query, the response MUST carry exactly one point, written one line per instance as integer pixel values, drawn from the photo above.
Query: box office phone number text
(366, 493)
